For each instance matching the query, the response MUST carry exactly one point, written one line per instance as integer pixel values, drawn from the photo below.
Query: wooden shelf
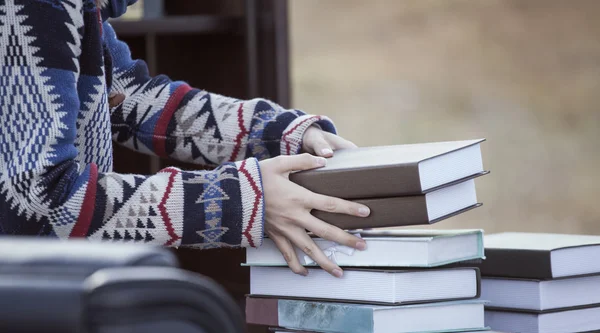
(180, 25)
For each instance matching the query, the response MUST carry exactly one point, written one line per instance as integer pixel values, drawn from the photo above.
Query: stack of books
(542, 283)
(283, 330)
(398, 283)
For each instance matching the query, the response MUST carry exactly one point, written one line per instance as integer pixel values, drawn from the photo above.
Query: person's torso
(93, 133)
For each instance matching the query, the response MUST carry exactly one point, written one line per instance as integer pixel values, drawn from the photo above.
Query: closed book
(284, 330)
(540, 256)
(541, 295)
(390, 286)
(573, 320)
(391, 171)
(422, 209)
(366, 318)
(386, 248)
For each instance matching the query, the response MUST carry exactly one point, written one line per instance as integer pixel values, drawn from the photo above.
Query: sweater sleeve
(171, 119)
(47, 190)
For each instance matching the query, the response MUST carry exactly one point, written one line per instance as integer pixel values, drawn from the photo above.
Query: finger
(332, 233)
(308, 246)
(289, 163)
(321, 147)
(336, 205)
(288, 252)
(337, 142)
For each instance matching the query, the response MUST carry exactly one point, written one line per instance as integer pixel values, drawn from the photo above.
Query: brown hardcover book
(540, 256)
(421, 209)
(390, 171)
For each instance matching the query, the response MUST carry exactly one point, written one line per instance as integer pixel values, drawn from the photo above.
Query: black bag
(48, 285)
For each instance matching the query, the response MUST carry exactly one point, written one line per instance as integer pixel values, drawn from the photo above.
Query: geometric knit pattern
(60, 60)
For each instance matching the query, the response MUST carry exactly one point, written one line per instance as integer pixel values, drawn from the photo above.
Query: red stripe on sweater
(87, 207)
(243, 131)
(257, 196)
(160, 129)
(163, 209)
(288, 147)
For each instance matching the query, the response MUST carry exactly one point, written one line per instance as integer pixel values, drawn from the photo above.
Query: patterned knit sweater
(60, 61)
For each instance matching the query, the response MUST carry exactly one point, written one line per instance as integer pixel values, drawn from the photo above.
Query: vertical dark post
(252, 47)
(282, 52)
(152, 68)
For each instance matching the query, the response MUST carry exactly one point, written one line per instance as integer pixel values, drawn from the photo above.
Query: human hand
(287, 213)
(321, 143)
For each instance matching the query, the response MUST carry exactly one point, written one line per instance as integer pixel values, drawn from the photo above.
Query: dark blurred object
(48, 285)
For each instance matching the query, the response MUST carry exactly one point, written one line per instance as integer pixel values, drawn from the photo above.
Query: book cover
(410, 248)
(540, 255)
(390, 171)
(585, 319)
(541, 296)
(422, 209)
(369, 286)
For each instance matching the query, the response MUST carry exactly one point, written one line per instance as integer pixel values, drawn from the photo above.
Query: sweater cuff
(253, 203)
(291, 140)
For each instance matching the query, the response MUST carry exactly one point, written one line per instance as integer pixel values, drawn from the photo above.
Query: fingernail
(321, 161)
(361, 245)
(305, 272)
(364, 211)
(326, 151)
(337, 273)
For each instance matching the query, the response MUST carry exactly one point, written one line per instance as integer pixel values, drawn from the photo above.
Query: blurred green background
(525, 74)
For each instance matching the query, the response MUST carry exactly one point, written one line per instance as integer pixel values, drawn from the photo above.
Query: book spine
(327, 317)
(526, 264)
(385, 212)
(261, 311)
(380, 182)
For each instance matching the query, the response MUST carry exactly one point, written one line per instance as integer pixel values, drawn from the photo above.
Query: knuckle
(298, 200)
(287, 256)
(330, 204)
(325, 232)
(308, 249)
(306, 158)
(280, 161)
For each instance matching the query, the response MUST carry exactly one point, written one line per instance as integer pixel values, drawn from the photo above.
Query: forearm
(218, 208)
(171, 119)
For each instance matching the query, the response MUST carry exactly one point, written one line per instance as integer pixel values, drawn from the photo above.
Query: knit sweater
(60, 61)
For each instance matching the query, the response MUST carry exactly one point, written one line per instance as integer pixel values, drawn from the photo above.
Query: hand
(321, 143)
(287, 213)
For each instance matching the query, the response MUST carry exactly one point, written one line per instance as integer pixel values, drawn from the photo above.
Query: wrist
(252, 201)
(293, 135)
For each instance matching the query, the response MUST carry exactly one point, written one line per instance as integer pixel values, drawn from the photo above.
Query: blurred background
(525, 75)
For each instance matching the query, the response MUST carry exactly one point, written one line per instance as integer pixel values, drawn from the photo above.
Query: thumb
(299, 162)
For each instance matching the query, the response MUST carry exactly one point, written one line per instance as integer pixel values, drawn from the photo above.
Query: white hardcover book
(541, 295)
(386, 248)
(372, 286)
(576, 320)
(310, 316)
